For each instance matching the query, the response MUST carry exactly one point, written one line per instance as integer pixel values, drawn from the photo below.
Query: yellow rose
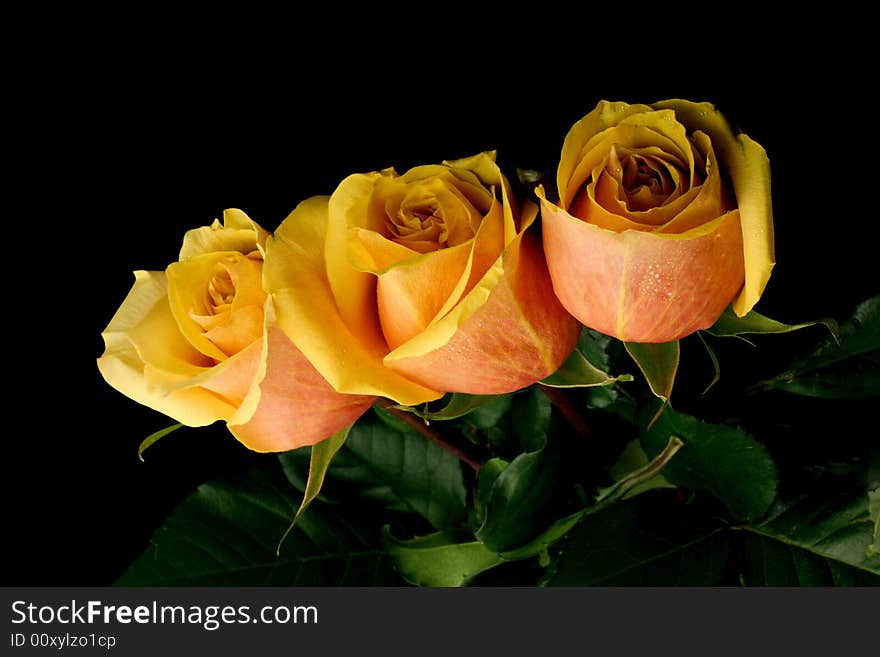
(199, 343)
(409, 286)
(664, 218)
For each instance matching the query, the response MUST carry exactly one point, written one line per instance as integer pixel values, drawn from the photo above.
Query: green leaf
(517, 499)
(641, 479)
(724, 461)
(860, 334)
(386, 461)
(578, 372)
(716, 366)
(226, 534)
(439, 559)
(816, 540)
(153, 437)
(839, 369)
(858, 379)
(754, 323)
(456, 405)
(768, 562)
(531, 419)
(643, 476)
(489, 415)
(321, 455)
(643, 542)
(594, 346)
(874, 512)
(540, 543)
(834, 526)
(659, 363)
(489, 473)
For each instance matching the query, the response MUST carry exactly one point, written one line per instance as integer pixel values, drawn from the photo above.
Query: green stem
(564, 405)
(434, 436)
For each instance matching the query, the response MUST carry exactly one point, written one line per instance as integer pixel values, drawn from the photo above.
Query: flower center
(645, 180)
(431, 216)
(221, 289)
(232, 315)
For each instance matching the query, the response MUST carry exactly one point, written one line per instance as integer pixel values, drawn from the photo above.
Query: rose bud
(663, 219)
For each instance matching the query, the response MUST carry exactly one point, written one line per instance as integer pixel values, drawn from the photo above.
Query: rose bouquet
(443, 362)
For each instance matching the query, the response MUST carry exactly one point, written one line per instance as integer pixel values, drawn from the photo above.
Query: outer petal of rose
(146, 319)
(515, 333)
(354, 292)
(294, 275)
(230, 380)
(237, 233)
(749, 168)
(752, 187)
(411, 293)
(369, 251)
(296, 406)
(146, 373)
(643, 287)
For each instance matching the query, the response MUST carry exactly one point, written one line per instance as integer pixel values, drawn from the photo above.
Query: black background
(130, 147)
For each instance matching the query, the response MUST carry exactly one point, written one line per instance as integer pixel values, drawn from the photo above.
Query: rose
(663, 219)
(199, 343)
(410, 286)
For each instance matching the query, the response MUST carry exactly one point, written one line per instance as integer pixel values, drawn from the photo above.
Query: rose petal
(713, 199)
(643, 287)
(636, 131)
(467, 175)
(295, 276)
(458, 309)
(187, 296)
(509, 332)
(237, 233)
(353, 291)
(605, 115)
(747, 165)
(123, 370)
(143, 330)
(296, 405)
(411, 293)
(244, 325)
(369, 251)
(430, 214)
(148, 322)
(232, 379)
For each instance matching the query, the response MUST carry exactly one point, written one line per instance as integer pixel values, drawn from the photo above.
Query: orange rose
(663, 219)
(199, 343)
(410, 286)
